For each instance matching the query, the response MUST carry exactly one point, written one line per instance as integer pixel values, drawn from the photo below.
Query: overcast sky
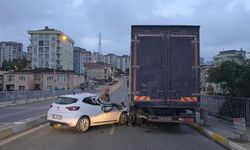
(225, 24)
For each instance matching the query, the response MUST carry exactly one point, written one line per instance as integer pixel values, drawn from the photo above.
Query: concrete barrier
(217, 137)
(19, 102)
(22, 126)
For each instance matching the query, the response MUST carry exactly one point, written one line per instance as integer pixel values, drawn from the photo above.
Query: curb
(217, 138)
(17, 128)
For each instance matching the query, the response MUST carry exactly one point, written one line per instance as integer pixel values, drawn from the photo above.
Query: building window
(40, 43)
(46, 36)
(40, 49)
(50, 78)
(49, 87)
(40, 56)
(46, 43)
(46, 49)
(21, 88)
(22, 78)
(40, 36)
(10, 87)
(62, 78)
(37, 78)
(10, 77)
(40, 63)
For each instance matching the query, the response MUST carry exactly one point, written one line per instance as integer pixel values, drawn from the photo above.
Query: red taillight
(73, 108)
(50, 106)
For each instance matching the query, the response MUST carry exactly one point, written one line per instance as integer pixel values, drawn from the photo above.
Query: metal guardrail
(6, 96)
(226, 107)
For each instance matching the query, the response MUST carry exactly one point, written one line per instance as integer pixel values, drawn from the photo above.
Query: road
(155, 137)
(16, 113)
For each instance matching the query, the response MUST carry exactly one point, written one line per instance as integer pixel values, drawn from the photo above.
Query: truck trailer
(164, 73)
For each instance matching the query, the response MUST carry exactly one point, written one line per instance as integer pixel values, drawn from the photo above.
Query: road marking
(19, 135)
(19, 122)
(112, 130)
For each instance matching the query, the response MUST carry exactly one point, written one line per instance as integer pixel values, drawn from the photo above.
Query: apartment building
(230, 55)
(81, 57)
(50, 48)
(123, 62)
(98, 71)
(10, 50)
(96, 57)
(111, 59)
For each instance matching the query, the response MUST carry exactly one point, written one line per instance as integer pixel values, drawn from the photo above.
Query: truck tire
(131, 118)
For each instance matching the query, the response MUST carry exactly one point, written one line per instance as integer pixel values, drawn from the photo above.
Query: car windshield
(65, 100)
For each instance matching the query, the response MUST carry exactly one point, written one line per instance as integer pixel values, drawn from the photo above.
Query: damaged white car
(84, 110)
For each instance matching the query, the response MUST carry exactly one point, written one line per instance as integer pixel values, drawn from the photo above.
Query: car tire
(123, 119)
(55, 125)
(83, 124)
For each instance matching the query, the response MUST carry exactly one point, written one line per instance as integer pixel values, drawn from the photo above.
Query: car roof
(79, 95)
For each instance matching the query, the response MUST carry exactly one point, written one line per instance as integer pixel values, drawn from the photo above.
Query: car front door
(112, 115)
(92, 110)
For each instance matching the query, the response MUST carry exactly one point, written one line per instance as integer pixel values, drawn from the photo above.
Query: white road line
(19, 135)
(112, 130)
(19, 122)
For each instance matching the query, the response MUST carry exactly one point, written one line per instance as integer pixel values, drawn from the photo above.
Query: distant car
(84, 110)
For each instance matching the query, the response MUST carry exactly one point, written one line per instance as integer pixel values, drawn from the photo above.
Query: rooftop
(231, 52)
(41, 71)
(48, 30)
(96, 65)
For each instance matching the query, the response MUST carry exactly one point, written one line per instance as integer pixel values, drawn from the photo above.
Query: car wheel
(123, 118)
(83, 124)
(55, 125)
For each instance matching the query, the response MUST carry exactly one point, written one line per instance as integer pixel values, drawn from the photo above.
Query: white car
(84, 110)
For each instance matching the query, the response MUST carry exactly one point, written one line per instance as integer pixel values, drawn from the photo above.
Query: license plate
(59, 117)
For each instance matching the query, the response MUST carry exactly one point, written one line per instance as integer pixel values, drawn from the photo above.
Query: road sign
(240, 128)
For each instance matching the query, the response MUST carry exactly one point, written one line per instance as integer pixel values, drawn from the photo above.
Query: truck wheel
(55, 125)
(83, 124)
(131, 118)
(123, 118)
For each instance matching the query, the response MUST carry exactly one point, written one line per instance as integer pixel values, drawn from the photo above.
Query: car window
(65, 100)
(90, 100)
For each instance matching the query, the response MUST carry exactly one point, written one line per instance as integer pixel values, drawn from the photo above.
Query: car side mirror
(105, 109)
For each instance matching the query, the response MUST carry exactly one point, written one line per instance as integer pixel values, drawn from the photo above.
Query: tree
(233, 78)
(15, 64)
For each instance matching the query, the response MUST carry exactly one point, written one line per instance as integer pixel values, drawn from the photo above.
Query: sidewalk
(224, 128)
